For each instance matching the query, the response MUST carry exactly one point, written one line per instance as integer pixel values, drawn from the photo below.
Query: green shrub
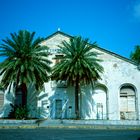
(21, 112)
(18, 112)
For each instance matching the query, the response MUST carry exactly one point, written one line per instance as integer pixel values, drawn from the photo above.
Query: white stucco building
(115, 97)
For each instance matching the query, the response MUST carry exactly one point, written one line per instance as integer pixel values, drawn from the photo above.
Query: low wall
(17, 122)
(45, 122)
(103, 122)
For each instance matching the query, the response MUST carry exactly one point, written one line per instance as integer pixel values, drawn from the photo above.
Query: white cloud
(136, 9)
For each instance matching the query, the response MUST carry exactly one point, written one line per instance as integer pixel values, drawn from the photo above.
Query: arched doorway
(100, 102)
(128, 102)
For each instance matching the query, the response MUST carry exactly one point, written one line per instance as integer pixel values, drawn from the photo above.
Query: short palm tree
(26, 62)
(136, 54)
(79, 65)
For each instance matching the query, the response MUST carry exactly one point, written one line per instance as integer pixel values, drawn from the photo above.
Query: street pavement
(68, 134)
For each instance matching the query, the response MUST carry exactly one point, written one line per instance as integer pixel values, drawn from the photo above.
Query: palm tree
(26, 61)
(79, 65)
(136, 54)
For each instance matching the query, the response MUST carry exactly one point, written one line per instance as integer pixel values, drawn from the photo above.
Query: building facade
(115, 97)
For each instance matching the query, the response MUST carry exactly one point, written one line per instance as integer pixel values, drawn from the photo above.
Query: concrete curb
(71, 127)
(67, 124)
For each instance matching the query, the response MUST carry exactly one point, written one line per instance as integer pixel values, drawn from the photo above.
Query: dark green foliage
(18, 112)
(21, 112)
(79, 65)
(1, 87)
(79, 60)
(26, 61)
(136, 54)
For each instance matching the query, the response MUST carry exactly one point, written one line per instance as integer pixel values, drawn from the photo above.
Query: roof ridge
(99, 48)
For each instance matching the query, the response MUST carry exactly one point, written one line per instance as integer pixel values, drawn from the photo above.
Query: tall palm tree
(26, 62)
(79, 65)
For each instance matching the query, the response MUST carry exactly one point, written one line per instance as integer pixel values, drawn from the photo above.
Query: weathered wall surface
(118, 72)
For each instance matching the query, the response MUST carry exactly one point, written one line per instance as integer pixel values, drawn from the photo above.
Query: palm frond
(79, 59)
(26, 62)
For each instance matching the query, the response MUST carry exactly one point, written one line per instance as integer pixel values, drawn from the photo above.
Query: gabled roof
(58, 32)
(98, 48)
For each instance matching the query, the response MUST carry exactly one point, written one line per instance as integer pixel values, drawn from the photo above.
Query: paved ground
(68, 134)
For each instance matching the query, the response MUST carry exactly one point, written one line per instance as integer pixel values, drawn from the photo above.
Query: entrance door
(58, 109)
(100, 103)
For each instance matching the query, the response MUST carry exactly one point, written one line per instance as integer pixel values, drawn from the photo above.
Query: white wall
(117, 71)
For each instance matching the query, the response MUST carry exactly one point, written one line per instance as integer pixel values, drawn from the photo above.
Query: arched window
(127, 102)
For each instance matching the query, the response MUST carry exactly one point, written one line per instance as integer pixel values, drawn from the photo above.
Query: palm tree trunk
(24, 94)
(17, 81)
(77, 98)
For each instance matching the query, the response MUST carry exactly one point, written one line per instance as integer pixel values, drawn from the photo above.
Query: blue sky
(114, 24)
